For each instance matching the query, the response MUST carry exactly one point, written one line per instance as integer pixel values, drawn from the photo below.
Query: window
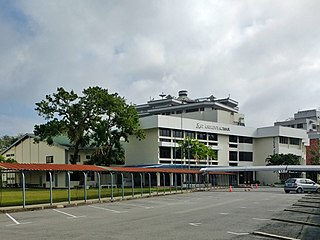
(246, 156)
(49, 159)
(233, 145)
(212, 137)
(202, 136)
(165, 152)
(177, 154)
(294, 141)
(233, 156)
(192, 110)
(299, 125)
(10, 155)
(233, 138)
(164, 132)
(90, 176)
(88, 157)
(283, 140)
(191, 134)
(165, 140)
(245, 140)
(177, 133)
(233, 164)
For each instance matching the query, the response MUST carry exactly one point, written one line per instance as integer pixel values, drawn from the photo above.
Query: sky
(263, 54)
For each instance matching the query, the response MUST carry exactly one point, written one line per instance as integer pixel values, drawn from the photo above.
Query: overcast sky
(264, 54)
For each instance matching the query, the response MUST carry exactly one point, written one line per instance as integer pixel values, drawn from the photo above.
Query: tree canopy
(283, 159)
(7, 160)
(196, 150)
(6, 141)
(96, 118)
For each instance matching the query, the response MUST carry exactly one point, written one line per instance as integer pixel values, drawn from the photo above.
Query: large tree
(6, 141)
(87, 119)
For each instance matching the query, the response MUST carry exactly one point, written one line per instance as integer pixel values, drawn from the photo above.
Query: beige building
(27, 150)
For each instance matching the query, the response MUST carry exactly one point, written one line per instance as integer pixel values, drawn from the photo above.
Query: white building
(218, 124)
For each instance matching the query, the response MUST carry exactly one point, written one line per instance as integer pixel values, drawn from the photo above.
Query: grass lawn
(13, 196)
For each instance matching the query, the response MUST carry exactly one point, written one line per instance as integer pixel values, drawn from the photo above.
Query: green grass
(13, 196)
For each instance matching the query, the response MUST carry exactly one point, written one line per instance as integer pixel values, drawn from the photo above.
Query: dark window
(165, 132)
(202, 136)
(90, 176)
(192, 110)
(233, 145)
(165, 152)
(233, 156)
(88, 157)
(177, 153)
(245, 140)
(49, 159)
(233, 138)
(75, 176)
(191, 134)
(294, 141)
(165, 140)
(299, 125)
(246, 156)
(213, 144)
(179, 112)
(233, 164)
(177, 133)
(212, 137)
(283, 140)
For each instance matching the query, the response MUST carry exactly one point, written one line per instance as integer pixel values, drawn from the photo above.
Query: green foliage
(283, 159)
(196, 150)
(6, 141)
(7, 160)
(96, 118)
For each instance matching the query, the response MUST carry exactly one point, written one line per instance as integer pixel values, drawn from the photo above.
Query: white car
(301, 185)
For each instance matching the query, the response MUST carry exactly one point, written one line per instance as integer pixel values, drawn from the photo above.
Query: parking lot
(217, 214)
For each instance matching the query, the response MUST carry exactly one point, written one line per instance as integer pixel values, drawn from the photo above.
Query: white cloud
(265, 54)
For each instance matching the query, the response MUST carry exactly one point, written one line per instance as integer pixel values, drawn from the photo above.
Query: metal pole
(69, 195)
(181, 181)
(111, 177)
(149, 184)
(99, 187)
(122, 186)
(85, 186)
(50, 177)
(164, 183)
(157, 183)
(23, 190)
(141, 188)
(175, 181)
(170, 177)
(188, 161)
(132, 184)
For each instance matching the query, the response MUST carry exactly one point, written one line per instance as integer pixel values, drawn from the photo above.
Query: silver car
(300, 185)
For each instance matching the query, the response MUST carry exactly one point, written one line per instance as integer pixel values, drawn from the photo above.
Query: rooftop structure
(210, 108)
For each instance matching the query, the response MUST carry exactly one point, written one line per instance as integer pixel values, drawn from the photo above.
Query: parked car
(301, 185)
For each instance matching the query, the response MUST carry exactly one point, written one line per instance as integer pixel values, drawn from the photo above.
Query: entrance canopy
(294, 168)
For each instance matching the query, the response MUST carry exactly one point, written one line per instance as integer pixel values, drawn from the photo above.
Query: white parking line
(224, 213)
(12, 218)
(238, 234)
(195, 224)
(261, 219)
(135, 205)
(107, 209)
(70, 215)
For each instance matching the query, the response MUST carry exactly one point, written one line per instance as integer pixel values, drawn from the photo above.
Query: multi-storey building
(218, 124)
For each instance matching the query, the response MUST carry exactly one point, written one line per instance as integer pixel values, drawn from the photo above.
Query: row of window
(240, 139)
(241, 156)
(291, 141)
(176, 153)
(165, 132)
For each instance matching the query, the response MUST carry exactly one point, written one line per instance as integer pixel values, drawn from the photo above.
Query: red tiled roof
(74, 167)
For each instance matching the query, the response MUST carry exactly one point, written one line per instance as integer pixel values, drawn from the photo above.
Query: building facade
(218, 124)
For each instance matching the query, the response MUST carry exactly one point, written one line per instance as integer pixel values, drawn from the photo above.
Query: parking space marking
(68, 214)
(107, 209)
(224, 213)
(12, 218)
(261, 219)
(135, 205)
(195, 224)
(239, 234)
